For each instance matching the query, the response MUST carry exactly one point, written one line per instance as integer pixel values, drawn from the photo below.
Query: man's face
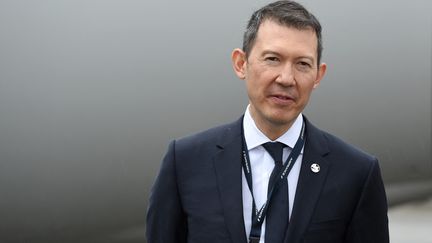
(280, 72)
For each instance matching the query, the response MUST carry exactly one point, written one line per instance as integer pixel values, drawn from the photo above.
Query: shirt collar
(254, 137)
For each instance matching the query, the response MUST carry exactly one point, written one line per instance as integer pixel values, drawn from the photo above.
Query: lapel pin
(315, 168)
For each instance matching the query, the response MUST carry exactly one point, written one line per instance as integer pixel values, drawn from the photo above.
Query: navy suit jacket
(197, 196)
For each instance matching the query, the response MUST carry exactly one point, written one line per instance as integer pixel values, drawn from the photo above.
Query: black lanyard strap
(258, 216)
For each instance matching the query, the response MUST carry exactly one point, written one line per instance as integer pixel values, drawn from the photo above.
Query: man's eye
(272, 59)
(305, 64)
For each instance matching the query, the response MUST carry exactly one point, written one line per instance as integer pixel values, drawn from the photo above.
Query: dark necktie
(278, 212)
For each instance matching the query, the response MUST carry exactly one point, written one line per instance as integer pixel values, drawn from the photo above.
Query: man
(271, 176)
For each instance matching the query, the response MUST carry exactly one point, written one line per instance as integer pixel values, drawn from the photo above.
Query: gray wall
(91, 92)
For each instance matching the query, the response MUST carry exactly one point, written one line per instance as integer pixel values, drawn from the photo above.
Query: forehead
(279, 38)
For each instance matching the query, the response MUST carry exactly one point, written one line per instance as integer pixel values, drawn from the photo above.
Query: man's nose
(286, 75)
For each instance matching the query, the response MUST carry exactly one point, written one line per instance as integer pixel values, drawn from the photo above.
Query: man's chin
(278, 121)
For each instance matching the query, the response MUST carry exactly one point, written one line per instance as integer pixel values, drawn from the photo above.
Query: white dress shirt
(262, 166)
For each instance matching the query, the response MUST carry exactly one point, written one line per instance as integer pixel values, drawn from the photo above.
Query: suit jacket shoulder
(339, 152)
(338, 145)
(207, 139)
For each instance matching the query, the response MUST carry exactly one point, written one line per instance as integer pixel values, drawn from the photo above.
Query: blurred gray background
(92, 91)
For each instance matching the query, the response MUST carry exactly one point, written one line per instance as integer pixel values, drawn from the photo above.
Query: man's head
(280, 63)
(286, 13)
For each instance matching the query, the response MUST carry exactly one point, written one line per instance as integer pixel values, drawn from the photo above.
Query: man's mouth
(281, 99)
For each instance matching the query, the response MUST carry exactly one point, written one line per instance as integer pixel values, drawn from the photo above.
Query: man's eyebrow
(266, 52)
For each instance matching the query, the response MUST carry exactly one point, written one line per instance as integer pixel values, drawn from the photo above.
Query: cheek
(305, 93)
(255, 94)
(256, 84)
(306, 84)
(251, 90)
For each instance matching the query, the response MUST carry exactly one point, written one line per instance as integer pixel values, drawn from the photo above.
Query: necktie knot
(275, 149)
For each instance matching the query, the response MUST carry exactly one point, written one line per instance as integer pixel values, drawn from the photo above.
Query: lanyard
(258, 216)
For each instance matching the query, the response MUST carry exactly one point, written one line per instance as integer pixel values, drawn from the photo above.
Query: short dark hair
(287, 13)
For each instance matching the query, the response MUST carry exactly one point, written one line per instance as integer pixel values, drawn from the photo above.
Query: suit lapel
(227, 163)
(309, 184)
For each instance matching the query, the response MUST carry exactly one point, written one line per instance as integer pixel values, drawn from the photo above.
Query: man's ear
(320, 74)
(238, 58)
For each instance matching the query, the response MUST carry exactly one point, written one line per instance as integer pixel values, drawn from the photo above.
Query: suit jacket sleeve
(166, 222)
(369, 223)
